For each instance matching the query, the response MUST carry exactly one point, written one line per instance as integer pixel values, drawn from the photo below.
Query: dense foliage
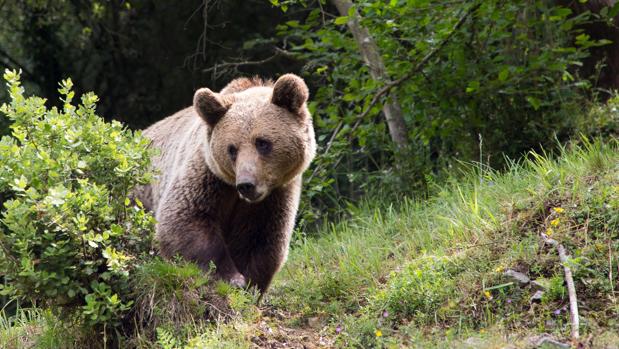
(503, 81)
(476, 80)
(69, 234)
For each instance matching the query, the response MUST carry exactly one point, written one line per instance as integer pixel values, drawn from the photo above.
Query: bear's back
(177, 139)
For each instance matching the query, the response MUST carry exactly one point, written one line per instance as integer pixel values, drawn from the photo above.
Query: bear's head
(259, 136)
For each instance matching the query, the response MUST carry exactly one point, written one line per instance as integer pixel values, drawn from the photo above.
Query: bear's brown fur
(229, 177)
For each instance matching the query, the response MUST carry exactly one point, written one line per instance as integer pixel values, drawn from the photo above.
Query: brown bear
(228, 177)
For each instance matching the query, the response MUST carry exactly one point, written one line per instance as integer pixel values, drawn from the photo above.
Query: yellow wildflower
(558, 209)
(482, 331)
(488, 294)
(499, 269)
(555, 222)
(379, 333)
(549, 231)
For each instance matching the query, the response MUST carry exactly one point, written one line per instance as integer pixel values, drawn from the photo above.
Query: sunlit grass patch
(35, 328)
(392, 259)
(178, 297)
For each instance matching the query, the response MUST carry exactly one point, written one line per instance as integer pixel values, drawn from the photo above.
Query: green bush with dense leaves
(69, 234)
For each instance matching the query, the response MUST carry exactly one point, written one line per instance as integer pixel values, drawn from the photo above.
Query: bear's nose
(248, 190)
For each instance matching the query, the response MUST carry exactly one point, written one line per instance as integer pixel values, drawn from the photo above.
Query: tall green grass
(483, 222)
(418, 273)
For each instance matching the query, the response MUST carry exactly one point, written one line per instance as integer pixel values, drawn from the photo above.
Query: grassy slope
(429, 264)
(430, 273)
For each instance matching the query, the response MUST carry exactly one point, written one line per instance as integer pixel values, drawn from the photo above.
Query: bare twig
(204, 26)
(571, 289)
(329, 144)
(234, 65)
(322, 13)
(221, 68)
(200, 50)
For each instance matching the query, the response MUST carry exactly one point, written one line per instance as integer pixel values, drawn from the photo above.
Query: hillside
(422, 273)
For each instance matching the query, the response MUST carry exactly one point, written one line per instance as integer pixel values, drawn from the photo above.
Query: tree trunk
(371, 56)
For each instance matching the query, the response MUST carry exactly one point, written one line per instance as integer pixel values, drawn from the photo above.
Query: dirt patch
(273, 333)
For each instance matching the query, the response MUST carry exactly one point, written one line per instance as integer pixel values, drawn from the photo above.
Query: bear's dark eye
(232, 151)
(263, 146)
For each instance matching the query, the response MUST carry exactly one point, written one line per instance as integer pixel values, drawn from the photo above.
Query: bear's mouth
(252, 196)
(252, 199)
(251, 192)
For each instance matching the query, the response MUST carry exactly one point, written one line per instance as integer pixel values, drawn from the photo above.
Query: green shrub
(419, 290)
(69, 234)
(556, 291)
(602, 120)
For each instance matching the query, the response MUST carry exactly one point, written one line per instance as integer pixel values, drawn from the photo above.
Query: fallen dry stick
(571, 290)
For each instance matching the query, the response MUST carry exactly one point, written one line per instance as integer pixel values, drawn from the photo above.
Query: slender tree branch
(392, 84)
(370, 52)
(225, 65)
(571, 289)
(322, 13)
(329, 144)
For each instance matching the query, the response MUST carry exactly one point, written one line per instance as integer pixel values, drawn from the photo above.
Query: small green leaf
(56, 196)
(473, 86)
(292, 24)
(341, 20)
(20, 183)
(504, 74)
(534, 102)
(321, 69)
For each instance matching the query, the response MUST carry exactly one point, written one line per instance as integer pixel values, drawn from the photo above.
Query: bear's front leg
(199, 242)
(262, 266)
(195, 236)
(259, 238)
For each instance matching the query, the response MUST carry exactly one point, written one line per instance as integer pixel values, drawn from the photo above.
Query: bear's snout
(248, 183)
(247, 190)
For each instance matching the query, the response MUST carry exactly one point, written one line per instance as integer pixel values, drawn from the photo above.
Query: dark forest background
(459, 80)
(144, 59)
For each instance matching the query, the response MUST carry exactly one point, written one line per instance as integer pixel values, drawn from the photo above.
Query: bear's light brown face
(260, 138)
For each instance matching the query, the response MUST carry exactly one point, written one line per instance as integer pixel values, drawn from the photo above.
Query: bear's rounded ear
(211, 106)
(290, 92)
